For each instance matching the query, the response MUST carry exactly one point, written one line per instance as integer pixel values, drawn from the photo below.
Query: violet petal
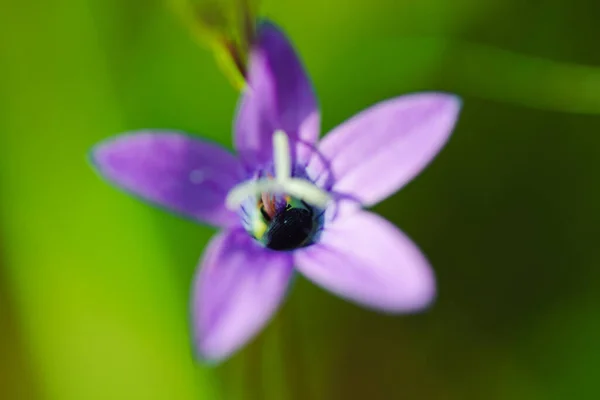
(279, 96)
(381, 149)
(239, 287)
(177, 171)
(366, 259)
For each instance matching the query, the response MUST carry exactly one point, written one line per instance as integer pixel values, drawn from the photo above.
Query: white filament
(242, 191)
(307, 191)
(283, 182)
(281, 156)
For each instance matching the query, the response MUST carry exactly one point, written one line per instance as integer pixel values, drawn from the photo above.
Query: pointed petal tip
(279, 95)
(97, 154)
(208, 356)
(453, 101)
(367, 260)
(266, 23)
(268, 26)
(405, 134)
(90, 158)
(415, 298)
(420, 299)
(171, 169)
(201, 356)
(211, 351)
(236, 292)
(454, 105)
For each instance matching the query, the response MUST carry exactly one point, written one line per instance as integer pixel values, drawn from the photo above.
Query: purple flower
(289, 202)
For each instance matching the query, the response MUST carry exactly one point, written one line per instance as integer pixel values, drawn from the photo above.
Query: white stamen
(241, 192)
(283, 182)
(281, 156)
(307, 191)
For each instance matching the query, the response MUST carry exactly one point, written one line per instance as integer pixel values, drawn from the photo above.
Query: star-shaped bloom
(289, 202)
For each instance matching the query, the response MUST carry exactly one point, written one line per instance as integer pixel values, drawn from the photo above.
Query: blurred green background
(94, 285)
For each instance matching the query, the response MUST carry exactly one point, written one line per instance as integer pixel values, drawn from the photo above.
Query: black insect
(290, 229)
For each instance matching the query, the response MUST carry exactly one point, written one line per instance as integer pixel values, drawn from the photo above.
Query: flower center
(290, 228)
(281, 212)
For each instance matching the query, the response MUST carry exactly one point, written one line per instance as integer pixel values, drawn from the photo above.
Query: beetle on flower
(289, 202)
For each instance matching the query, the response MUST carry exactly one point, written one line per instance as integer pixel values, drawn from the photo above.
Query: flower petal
(366, 259)
(174, 170)
(239, 287)
(279, 96)
(378, 151)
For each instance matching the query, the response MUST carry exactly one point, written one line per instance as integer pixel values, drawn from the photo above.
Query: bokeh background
(94, 285)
